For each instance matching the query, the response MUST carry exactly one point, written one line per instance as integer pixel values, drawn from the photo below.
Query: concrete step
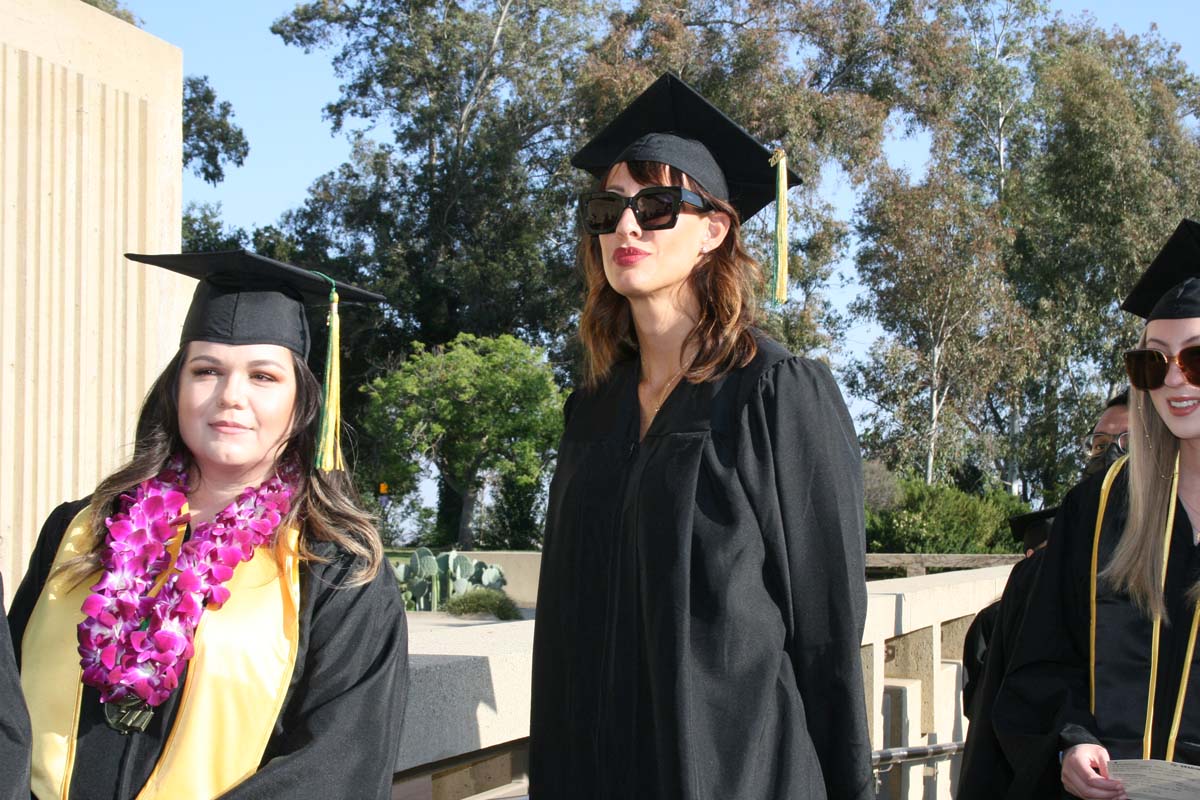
(517, 790)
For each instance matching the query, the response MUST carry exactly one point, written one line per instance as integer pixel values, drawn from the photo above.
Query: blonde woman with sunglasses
(1104, 666)
(702, 596)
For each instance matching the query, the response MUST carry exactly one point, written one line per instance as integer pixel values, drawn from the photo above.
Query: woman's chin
(229, 462)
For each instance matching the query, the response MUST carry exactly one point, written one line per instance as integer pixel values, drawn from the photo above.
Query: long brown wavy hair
(726, 282)
(324, 504)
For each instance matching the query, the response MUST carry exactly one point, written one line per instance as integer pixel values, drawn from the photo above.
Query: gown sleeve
(339, 732)
(1042, 705)
(985, 774)
(803, 471)
(15, 736)
(976, 644)
(38, 569)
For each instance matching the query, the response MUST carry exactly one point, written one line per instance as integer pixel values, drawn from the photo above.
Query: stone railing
(468, 710)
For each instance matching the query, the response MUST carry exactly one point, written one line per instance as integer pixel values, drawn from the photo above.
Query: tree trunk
(934, 408)
(929, 460)
(466, 538)
(449, 511)
(1014, 431)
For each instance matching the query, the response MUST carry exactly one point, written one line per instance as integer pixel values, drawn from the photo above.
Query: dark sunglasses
(1147, 369)
(654, 208)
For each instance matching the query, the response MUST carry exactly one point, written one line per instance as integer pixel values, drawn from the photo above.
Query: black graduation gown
(1043, 704)
(339, 730)
(14, 719)
(985, 772)
(975, 650)
(702, 594)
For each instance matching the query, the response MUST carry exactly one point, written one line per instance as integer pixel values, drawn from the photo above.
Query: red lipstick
(628, 256)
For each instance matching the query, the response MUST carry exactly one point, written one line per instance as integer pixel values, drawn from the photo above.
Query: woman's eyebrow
(1186, 342)
(204, 357)
(265, 362)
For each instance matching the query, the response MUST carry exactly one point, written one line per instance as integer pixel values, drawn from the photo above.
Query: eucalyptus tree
(931, 261)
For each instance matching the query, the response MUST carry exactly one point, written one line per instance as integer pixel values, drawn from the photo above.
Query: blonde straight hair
(1137, 562)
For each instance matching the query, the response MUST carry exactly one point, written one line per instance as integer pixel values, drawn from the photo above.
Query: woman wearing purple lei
(216, 619)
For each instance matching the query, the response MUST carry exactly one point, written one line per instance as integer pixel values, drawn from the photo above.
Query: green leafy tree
(931, 263)
(205, 232)
(514, 520)
(1115, 168)
(988, 84)
(211, 139)
(464, 218)
(941, 518)
(475, 409)
(1080, 147)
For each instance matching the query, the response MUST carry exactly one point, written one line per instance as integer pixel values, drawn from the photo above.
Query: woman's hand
(1085, 774)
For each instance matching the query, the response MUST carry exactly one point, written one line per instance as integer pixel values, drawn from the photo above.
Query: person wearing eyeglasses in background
(702, 593)
(1109, 440)
(1105, 668)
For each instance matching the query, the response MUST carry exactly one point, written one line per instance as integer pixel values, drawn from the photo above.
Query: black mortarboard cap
(672, 124)
(1033, 528)
(1170, 286)
(245, 298)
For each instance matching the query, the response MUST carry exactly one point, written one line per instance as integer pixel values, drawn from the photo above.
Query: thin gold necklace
(662, 398)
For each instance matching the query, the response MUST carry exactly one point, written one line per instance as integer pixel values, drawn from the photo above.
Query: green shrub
(483, 601)
(944, 519)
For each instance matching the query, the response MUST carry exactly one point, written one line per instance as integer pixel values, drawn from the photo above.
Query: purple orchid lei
(133, 644)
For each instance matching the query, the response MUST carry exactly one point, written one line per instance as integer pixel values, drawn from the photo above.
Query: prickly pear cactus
(420, 593)
(427, 581)
(493, 578)
(462, 567)
(427, 566)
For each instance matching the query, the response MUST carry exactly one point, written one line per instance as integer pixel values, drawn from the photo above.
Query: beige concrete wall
(521, 571)
(470, 679)
(90, 167)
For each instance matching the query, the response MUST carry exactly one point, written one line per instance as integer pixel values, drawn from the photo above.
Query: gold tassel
(780, 281)
(329, 440)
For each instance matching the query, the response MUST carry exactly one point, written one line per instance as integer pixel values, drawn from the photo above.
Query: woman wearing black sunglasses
(1105, 667)
(702, 597)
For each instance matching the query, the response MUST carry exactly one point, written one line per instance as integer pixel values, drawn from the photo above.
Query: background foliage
(1061, 157)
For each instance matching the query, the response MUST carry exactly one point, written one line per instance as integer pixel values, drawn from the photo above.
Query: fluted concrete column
(90, 167)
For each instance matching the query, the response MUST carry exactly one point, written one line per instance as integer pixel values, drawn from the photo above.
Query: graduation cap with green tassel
(671, 123)
(245, 298)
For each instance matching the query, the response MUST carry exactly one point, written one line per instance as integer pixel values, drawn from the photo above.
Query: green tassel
(329, 437)
(779, 277)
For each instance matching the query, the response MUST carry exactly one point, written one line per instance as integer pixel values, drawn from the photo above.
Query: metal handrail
(904, 755)
(882, 761)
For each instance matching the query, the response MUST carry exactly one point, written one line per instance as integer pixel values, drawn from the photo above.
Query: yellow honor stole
(232, 695)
